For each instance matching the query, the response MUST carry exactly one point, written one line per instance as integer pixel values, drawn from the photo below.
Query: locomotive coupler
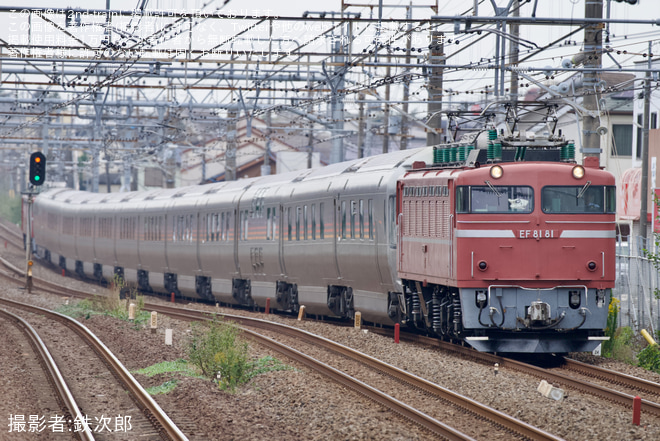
(539, 312)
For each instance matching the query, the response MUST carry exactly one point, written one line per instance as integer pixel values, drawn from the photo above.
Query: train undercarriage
(541, 325)
(433, 309)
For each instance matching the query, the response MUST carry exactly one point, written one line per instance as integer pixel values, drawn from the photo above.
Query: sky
(630, 40)
(295, 8)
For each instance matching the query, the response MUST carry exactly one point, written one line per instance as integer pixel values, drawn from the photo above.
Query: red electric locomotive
(516, 255)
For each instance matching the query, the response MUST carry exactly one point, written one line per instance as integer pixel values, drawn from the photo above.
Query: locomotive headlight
(591, 265)
(578, 172)
(481, 299)
(496, 172)
(574, 299)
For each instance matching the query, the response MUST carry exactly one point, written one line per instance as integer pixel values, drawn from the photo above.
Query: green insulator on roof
(570, 151)
(462, 152)
(497, 151)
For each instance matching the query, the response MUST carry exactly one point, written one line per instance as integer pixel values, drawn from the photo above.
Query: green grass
(108, 306)
(267, 364)
(164, 388)
(10, 208)
(166, 367)
(179, 367)
(78, 310)
(219, 353)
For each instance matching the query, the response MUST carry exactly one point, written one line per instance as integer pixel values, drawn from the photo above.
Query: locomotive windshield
(597, 199)
(494, 199)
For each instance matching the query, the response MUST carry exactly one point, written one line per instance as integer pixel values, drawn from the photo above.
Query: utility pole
(265, 168)
(643, 209)
(230, 154)
(436, 56)
(593, 50)
(360, 139)
(107, 171)
(386, 112)
(406, 83)
(310, 145)
(337, 103)
(96, 150)
(514, 51)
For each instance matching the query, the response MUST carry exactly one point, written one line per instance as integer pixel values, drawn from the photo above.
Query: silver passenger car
(324, 238)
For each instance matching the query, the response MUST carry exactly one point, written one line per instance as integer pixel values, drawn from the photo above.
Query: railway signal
(37, 168)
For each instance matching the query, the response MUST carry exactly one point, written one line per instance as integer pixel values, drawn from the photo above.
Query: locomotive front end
(535, 253)
(510, 257)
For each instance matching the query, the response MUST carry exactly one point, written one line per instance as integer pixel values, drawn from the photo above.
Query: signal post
(37, 178)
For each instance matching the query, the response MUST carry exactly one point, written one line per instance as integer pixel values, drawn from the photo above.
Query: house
(207, 162)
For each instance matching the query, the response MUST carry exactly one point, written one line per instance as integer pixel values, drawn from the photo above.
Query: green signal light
(37, 178)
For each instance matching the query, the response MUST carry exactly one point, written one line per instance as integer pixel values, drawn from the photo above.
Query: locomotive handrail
(451, 240)
(586, 290)
(578, 222)
(492, 222)
(399, 239)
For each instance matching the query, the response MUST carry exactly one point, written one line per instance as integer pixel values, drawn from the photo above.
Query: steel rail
(466, 404)
(614, 377)
(606, 393)
(402, 409)
(152, 410)
(457, 400)
(586, 387)
(14, 236)
(64, 395)
(410, 413)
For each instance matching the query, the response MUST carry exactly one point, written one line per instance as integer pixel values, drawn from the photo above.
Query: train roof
(383, 162)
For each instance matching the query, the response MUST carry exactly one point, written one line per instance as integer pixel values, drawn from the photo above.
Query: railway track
(640, 386)
(11, 234)
(155, 424)
(636, 385)
(67, 403)
(481, 413)
(566, 381)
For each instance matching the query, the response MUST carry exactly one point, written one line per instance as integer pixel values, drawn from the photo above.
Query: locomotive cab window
(494, 199)
(596, 199)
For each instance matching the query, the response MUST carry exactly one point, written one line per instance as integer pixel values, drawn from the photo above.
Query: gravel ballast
(299, 404)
